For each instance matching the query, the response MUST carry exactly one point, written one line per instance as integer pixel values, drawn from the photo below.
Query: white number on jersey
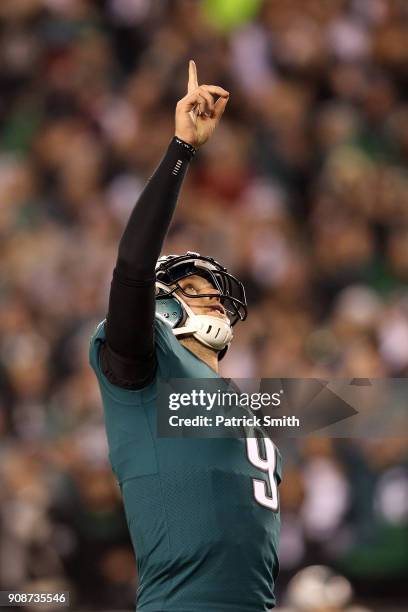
(265, 491)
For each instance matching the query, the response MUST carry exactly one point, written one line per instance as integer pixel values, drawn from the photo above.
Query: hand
(197, 114)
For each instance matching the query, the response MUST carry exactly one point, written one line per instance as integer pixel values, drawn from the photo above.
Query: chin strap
(214, 332)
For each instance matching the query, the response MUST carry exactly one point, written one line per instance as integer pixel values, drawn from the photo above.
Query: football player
(202, 513)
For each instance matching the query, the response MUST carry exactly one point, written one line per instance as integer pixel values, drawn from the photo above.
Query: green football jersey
(202, 513)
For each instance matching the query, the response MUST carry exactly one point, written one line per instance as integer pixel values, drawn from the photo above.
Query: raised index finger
(192, 77)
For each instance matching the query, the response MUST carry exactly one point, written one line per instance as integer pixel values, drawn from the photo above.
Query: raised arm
(128, 357)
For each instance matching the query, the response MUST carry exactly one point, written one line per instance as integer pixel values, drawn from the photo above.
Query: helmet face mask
(210, 330)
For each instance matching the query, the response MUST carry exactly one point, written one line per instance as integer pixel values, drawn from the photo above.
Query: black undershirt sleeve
(128, 357)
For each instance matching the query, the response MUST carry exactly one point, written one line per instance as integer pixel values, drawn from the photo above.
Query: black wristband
(186, 146)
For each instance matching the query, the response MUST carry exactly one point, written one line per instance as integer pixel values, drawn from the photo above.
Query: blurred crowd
(302, 193)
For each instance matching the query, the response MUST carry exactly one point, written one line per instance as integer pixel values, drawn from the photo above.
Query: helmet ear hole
(170, 310)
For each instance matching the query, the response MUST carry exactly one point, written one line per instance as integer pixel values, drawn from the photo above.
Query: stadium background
(302, 192)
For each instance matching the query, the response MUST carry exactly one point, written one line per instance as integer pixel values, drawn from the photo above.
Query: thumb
(219, 107)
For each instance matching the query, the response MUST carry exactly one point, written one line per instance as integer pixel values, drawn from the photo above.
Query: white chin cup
(214, 332)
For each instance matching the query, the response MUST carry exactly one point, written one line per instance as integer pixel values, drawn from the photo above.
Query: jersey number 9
(265, 491)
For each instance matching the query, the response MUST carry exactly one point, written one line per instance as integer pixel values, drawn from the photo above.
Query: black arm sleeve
(128, 357)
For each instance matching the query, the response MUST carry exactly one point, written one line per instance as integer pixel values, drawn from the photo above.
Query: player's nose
(215, 297)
